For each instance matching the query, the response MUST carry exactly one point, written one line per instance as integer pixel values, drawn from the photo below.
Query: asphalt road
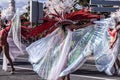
(24, 72)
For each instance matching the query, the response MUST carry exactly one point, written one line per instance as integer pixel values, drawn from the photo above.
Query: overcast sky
(19, 3)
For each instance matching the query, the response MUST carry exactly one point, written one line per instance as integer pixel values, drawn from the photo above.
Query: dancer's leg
(118, 62)
(68, 77)
(63, 78)
(0, 49)
(118, 66)
(6, 49)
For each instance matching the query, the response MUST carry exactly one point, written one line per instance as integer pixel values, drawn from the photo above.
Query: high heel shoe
(12, 71)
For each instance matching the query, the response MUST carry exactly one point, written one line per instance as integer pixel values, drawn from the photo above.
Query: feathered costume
(55, 54)
(64, 51)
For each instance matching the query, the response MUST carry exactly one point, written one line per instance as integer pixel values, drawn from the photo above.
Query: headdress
(116, 15)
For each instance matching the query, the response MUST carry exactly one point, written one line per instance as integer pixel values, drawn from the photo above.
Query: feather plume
(116, 15)
(59, 7)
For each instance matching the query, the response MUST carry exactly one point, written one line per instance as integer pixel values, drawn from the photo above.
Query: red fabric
(112, 33)
(35, 32)
(26, 28)
(3, 36)
(39, 29)
(25, 31)
(79, 15)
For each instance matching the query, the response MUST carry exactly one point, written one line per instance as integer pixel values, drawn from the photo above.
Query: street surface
(24, 71)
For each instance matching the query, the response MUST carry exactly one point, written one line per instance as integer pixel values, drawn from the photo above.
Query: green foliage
(84, 2)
